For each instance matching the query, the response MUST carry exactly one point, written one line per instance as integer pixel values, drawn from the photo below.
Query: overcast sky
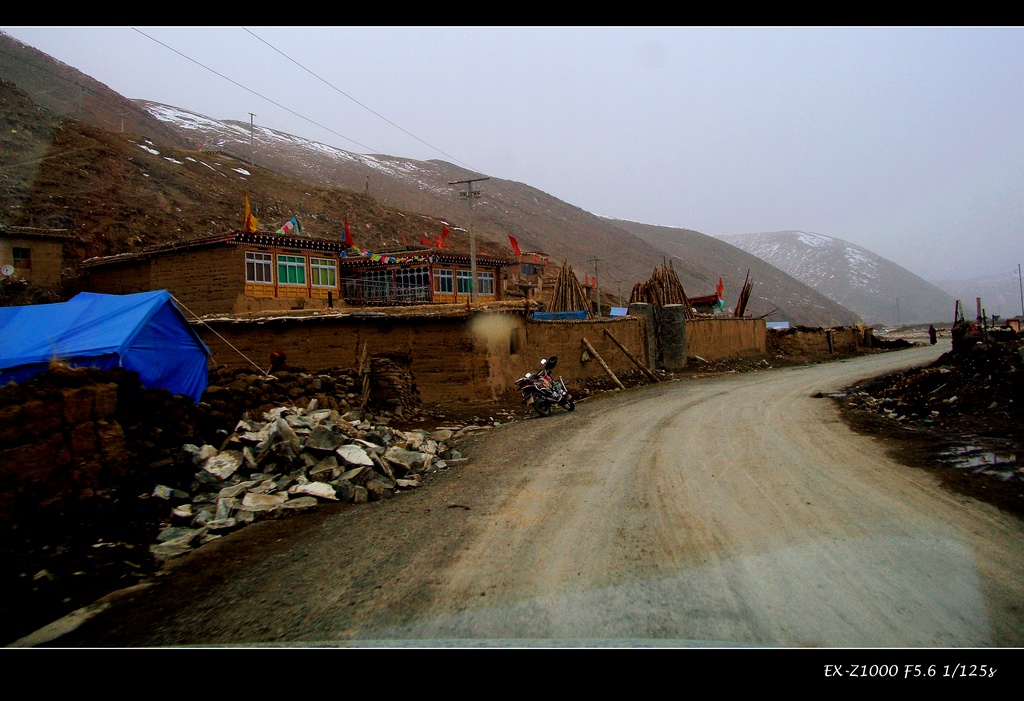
(906, 141)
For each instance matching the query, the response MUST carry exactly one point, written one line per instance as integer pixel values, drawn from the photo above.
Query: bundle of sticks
(568, 294)
(741, 303)
(663, 287)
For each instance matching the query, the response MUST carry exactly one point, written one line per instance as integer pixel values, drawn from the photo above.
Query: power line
(371, 111)
(262, 97)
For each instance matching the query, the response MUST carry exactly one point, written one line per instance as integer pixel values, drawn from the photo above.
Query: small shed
(143, 332)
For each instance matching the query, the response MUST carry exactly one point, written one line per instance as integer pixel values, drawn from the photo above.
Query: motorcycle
(541, 391)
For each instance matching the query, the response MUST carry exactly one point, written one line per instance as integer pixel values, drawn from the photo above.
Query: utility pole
(470, 194)
(1021, 284)
(597, 287)
(252, 148)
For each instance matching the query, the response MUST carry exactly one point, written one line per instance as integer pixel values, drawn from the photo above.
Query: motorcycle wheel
(542, 407)
(568, 404)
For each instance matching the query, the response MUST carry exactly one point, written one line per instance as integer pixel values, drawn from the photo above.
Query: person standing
(931, 334)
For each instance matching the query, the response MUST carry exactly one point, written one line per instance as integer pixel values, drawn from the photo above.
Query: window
(22, 257)
(412, 284)
(291, 270)
(258, 268)
(323, 272)
(377, 285)
(443, 281)
(486, 281)
(465, 281)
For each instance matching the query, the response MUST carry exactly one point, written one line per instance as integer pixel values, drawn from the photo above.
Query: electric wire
(262, 97)
(371, 111)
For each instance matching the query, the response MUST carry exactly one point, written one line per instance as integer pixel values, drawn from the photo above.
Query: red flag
(427, 242)
(536, 258)
(348, 235)
(515, 245)
(405, 241)
(720, 288)
(444, 234)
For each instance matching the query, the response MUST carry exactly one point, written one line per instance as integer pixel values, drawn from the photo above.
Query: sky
(907, 141)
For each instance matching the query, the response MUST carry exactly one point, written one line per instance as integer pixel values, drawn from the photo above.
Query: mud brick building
(251, 272)
(36, 255)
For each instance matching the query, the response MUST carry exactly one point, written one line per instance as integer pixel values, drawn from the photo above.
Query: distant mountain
(880, 291)
(773, 289)
(170, 174)
(1000, 294)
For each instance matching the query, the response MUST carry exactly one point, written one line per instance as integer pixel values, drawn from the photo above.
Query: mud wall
(714, 339)
(810, 343)
(452, 359)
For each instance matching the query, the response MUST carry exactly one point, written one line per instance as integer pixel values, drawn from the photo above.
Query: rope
(214, 332)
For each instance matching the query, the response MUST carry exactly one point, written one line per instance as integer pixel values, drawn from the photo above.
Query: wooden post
(364, 370)
(603, 364)
(643, 368)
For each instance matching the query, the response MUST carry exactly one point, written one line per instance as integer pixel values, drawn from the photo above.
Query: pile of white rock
(289, 462)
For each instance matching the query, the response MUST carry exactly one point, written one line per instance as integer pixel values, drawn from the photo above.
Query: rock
(323, 439)
(223, 465)
(321, 490)
(263, 502)
(407, 460)
(354, 456)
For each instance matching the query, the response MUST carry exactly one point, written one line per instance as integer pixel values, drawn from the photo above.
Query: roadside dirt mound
(961, 416)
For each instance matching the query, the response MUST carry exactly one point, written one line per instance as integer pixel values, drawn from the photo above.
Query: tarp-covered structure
(143, 332)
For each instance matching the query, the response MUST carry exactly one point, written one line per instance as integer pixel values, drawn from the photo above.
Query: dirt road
(723, 510)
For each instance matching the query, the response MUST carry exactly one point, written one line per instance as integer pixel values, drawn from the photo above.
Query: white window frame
(256, 261)
(485, 282)
(445, 281)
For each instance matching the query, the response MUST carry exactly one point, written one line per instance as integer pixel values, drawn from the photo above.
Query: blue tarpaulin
(560, 316)
(142, 332)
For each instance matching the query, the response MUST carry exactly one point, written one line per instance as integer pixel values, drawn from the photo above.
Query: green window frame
(464, 278)
(291, 270)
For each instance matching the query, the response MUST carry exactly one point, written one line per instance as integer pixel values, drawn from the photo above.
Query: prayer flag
(251, 222)
(515, 245)
(348, 235)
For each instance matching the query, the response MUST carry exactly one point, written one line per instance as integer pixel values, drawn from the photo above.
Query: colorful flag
(515, 245)
(251, 222)
(288, 228)
(296, 226)
(348, 235)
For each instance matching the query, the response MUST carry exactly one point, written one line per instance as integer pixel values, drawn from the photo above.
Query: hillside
(172, 175)
(877, 289)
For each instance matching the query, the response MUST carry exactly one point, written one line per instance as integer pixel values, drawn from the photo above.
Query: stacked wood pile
(663, 287)
(741, 303)
(568, 294)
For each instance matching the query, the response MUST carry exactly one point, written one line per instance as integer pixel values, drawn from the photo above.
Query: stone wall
(70, 435)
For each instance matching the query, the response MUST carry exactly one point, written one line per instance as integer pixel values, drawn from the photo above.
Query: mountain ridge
(877, 289)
